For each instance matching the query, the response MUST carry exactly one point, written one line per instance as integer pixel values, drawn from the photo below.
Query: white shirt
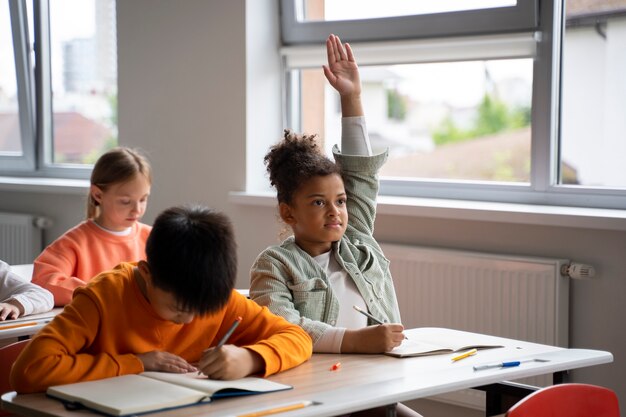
(348, 294)
(32, 297)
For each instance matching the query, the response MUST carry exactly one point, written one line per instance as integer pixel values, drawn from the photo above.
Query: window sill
(44, 185)
(586, 218)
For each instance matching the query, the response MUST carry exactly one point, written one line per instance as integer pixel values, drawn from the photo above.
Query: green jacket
(291, 284)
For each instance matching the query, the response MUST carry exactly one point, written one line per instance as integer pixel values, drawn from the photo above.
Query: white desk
(362, 382)
(26, 325)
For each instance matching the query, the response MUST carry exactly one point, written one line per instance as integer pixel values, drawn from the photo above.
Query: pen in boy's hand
(224, 338)
(230, 331)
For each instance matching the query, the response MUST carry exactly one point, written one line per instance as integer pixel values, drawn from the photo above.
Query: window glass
(519, 102)
(448, 121)
(84, 79)
(593, 126)
(312, 10)
(10, 133)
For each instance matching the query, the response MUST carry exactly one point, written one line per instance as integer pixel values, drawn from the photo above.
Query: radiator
(516, 297)
(21, 237)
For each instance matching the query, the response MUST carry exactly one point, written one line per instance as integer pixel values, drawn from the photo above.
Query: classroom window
(466, 120)
(16, 135)
(593, 145)
(66, 90)
(10, 136)
(480, 113)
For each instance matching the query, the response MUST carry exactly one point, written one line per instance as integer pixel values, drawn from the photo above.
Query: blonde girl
(112, 232)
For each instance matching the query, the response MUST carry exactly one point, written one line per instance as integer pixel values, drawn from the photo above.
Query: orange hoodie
(98, 334)
(82, 253)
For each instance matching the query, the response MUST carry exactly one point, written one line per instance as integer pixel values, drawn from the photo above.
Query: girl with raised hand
(332, 262)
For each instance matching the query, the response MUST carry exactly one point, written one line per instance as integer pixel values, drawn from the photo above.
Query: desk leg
(560, 377)
(502, 396)
(390, 410)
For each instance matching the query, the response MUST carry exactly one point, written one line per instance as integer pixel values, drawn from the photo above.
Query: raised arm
(342, 73)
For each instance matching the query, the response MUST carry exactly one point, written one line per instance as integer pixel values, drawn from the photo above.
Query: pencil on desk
(464, 355)
(16, 326)
(277, 410)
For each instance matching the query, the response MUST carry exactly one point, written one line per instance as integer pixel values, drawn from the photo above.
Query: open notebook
(433, 341)
(154, 391)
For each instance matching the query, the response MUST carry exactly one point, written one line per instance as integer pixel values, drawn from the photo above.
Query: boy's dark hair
(295, 160)
(192, 254)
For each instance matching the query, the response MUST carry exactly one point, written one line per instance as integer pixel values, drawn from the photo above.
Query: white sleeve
(330, 341)
(32, 297)
(354, 137)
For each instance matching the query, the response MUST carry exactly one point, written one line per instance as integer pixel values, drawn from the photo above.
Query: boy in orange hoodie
(162, 314)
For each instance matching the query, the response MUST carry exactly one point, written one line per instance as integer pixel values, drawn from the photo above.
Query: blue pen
(509, 364)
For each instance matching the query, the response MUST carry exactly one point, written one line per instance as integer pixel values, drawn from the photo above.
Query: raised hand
(342, 71)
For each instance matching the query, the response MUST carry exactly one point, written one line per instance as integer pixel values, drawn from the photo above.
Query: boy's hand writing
(373, 339)
(230, 362)
(164, 362)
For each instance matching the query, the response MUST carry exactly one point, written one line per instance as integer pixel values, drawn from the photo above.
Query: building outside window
(58, 86)
(541, 125)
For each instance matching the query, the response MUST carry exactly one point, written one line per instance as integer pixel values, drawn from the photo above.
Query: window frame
(25, 91)
(543, 187)
(519, 18)
(35, 99)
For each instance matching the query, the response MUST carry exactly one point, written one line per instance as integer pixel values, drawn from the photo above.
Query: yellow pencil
(15, 326)
(276, 410)
(464, 355)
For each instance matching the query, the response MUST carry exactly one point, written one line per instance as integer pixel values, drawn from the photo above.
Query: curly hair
(293, 161)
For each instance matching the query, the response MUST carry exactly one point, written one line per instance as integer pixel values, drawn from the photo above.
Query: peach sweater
(98, 334)
(82, 253)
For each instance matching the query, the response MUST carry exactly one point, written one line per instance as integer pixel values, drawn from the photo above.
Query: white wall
(594, 97)
(184, 98)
